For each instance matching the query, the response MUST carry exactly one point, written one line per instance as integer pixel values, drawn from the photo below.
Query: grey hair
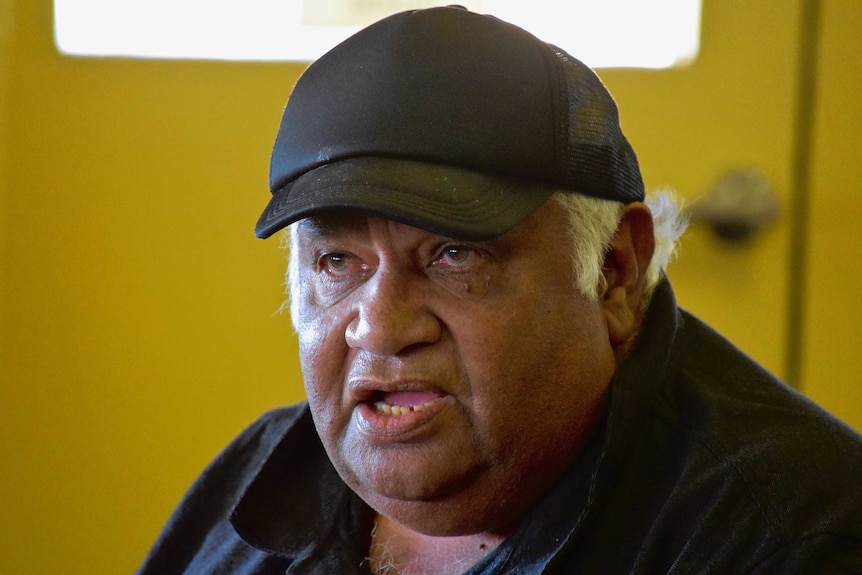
(669, 223)
(287, 241)
(592, 224)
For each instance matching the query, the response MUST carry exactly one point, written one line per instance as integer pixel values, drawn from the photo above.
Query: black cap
(447, 120)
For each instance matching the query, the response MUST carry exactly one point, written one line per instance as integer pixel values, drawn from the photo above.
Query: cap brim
(451, 201)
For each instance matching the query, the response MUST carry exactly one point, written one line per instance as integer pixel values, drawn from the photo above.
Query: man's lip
(395, 410)
(389, 424)
(402, 392)
(414, 399)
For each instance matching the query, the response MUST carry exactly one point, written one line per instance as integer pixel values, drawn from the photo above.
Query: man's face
(450, 381)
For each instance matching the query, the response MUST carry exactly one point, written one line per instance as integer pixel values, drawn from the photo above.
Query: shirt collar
(297, 504)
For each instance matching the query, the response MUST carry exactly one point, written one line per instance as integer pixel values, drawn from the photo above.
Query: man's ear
(624, 272)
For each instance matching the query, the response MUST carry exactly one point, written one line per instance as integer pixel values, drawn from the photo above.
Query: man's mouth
(402, 402)
(398, 415)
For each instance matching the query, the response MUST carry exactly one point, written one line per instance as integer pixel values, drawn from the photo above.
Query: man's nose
(392, 315)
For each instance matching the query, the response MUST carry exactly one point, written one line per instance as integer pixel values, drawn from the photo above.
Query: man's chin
(427, 471)
(399, 486)
(437, 508)
(443, 518)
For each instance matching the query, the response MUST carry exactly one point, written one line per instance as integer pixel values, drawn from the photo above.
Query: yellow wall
(833, 328)
(6, 30)
(138, 328)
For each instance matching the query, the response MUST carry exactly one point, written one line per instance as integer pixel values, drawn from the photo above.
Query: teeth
(385, 408)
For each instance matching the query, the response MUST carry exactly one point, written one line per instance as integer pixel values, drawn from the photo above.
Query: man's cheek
(324, 402)
(315, 330)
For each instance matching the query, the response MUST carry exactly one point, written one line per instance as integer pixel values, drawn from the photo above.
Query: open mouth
(391, 416)
(402, 402)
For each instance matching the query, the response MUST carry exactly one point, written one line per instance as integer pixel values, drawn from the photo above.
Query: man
(498, 377)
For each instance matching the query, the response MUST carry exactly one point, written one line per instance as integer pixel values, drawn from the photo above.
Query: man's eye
(335, 263)
(456, 255)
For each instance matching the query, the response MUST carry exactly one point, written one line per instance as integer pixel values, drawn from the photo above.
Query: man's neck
(397, 550)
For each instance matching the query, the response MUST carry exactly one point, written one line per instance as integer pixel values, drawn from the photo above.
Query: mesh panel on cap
(598, 156)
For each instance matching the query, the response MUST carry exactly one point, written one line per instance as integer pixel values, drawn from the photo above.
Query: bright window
(602, 33)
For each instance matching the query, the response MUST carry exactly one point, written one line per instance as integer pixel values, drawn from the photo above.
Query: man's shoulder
(722, 395)
(799, 464)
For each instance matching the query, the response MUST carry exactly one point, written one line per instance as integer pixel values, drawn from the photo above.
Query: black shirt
(704, 463)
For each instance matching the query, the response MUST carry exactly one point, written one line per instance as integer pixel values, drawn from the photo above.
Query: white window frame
(602, 33)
